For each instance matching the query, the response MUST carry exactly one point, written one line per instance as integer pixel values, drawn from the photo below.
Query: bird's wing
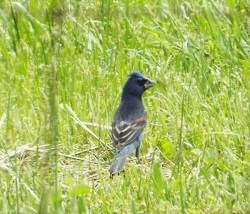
(123, 133)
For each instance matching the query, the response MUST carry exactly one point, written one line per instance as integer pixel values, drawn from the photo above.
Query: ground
(63, 65)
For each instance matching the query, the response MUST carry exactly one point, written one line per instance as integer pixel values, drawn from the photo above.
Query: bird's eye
(141, 81)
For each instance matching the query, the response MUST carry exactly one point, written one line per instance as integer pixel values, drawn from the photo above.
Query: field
(63, 65)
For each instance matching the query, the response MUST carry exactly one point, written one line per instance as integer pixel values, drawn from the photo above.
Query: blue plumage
(129, 121)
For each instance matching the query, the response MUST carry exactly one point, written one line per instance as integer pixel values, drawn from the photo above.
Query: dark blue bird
(129, 121)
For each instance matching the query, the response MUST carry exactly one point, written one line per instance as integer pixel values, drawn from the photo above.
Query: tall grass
(62, 62)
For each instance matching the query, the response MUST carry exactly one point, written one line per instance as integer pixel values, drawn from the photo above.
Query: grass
(62, 68)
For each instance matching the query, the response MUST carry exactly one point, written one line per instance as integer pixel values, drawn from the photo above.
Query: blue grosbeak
(129, 121)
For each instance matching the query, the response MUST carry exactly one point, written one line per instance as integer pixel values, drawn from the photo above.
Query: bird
(129, 121)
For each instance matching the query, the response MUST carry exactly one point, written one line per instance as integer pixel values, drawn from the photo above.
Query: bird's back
(129, 110)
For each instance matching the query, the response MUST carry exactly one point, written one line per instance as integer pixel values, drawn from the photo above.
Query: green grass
(62, 55)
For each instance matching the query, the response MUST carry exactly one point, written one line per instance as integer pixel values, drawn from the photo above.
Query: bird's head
(136, 85)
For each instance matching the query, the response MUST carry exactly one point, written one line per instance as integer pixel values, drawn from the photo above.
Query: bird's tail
(117, 164)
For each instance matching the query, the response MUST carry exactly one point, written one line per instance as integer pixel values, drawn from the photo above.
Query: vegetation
(62, 67)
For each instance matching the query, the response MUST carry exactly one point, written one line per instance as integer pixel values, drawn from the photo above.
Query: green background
(63, 60)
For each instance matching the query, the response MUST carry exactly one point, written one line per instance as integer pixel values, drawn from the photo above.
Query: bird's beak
(149, 84)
